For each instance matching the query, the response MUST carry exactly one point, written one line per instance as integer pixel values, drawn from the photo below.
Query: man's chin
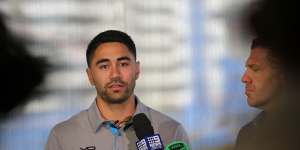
(251, 102)
(116, 99)
(256, 103)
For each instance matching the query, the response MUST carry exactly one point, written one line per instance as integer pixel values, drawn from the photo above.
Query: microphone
(177, 145)
(145, 133)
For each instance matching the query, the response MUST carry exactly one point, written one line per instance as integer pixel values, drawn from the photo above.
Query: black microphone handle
(142, 126)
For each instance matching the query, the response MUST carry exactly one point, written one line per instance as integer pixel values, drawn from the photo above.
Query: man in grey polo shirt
(106, 125)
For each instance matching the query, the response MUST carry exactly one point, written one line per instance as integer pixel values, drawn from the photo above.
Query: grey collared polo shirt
(89, 131)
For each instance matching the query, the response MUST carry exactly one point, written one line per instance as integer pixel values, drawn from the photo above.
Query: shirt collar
(97, 121)
(95, 118)
(141, 108)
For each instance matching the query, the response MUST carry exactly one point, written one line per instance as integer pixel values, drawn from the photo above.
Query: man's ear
(138, 70)
(90, 76)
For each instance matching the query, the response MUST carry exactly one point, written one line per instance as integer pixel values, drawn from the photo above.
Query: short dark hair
(109, 36)
(259, 42)
(272, 55)
(275, 21)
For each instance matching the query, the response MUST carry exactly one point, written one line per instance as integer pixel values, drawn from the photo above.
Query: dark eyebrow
(124, 58)
(102, 61)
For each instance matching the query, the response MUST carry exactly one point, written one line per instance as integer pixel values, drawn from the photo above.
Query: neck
(275, 103)
(116, 111)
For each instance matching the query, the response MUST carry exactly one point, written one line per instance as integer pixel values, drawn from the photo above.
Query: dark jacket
(275, 131)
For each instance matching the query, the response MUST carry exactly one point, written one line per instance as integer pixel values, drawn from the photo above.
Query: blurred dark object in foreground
(20, 73)
(277, 22)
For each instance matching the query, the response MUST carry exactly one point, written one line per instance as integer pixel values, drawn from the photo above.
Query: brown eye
(103, 67)
(255, 68)
(124, 64)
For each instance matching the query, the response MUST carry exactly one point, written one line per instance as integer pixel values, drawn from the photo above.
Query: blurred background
(192, 55)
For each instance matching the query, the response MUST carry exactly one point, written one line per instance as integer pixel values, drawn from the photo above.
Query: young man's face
(113, 70)
(261, 80)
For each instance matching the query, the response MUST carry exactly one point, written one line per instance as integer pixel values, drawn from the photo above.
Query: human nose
(246, 78)
(115, 71)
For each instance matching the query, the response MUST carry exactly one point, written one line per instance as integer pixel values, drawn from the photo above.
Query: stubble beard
(110, 97)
